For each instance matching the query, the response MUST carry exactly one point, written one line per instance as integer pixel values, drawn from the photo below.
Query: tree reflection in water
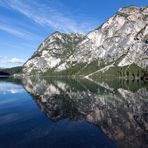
(121, 111)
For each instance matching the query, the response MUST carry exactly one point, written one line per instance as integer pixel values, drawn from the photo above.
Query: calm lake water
(73, 113)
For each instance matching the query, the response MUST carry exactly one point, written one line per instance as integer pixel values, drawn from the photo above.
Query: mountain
(53, 52)
(118, 48)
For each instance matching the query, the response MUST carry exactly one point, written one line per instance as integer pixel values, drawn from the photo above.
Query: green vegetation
(92, 67)
(13, 70)
(132, 85)
(130, 72)
(70, 71)
(122, 14)
(77, 69)
(69, 45)
(13, 80)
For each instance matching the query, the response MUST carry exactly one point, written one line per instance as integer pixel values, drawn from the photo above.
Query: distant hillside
(11, 71)
(2, 73)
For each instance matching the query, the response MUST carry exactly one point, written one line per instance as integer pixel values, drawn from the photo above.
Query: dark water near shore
(69, 113)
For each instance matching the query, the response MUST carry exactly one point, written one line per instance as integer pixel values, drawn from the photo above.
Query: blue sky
(24, 24)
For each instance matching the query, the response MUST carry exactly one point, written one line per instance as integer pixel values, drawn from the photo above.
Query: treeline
(132, 72)
(2, 73)
(13, 70)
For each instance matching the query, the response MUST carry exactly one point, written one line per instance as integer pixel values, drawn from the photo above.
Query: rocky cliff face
(53, 52)
(121, 42)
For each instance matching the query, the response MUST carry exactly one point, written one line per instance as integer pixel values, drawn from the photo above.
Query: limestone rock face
(121, 41)
(123, 34)
(53, 52)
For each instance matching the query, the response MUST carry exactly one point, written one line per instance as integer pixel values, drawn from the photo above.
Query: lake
(49, 112)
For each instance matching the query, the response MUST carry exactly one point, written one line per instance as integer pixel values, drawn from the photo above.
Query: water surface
(71, 113)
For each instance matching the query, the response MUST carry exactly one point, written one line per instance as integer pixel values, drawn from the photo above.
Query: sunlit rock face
(121, 41)
(123, 34)
(53, 53)
(121, 113)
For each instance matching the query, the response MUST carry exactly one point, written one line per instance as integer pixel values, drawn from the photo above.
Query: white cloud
(49, 15)
(11, 62)
(17, 31)
(10, 30)
(10, 88)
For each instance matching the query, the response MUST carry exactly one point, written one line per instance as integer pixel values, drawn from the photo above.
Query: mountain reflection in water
(120, 110)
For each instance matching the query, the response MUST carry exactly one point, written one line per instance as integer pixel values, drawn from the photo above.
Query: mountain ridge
(122, 42)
